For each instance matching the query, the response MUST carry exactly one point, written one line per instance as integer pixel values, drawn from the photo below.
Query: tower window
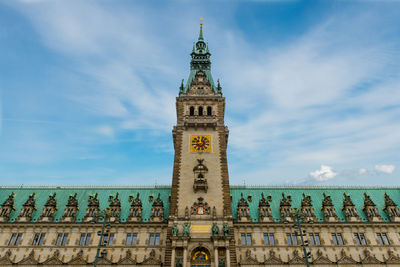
(209, 111)
(200, 111)
(200, 91)
(191, 111)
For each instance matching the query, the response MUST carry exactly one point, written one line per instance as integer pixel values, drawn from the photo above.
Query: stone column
(173, 257)
(228, 258)
(216, 256)
(184, 257)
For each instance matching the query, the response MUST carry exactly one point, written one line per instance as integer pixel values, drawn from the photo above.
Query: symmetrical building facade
(200, 220)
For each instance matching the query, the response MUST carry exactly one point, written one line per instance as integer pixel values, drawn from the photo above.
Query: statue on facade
(225, 229)
(221, 263)
(215, 230)
(178, 263)
(186, 230)
(175, 230)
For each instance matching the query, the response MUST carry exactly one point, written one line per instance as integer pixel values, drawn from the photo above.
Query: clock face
(200, 143)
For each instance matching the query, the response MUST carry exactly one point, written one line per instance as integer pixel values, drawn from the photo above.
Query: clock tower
(200, 194)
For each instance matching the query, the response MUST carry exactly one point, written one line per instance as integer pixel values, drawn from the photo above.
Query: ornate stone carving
(157, 210)
(200, 207)
(71, 210)
(391, 209)
(286, 208)
(296, 259)
(273, 259)
(249, 259)
(307, 209)
(29, 260)
(349, 209)
(49, 209)
(243, 211)
(264, 209)
(6, 259)
(27, 209)
(115, 208)
(200, 182)
(93, 208)
(370, 209)
(78, 259)
(345, 259)
(6, 208)
(151, 259)
(328, 209)
(135, 212)
(369, 258)
(127, 260)
(321, 259)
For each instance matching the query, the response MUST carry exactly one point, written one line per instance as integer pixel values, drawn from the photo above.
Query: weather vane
(201, 21)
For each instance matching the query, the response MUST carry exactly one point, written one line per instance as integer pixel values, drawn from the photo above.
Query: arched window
(209, 111)
(191, 111)
(200, 111)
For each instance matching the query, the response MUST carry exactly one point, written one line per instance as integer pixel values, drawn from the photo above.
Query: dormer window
(92, 213)
(200, 90)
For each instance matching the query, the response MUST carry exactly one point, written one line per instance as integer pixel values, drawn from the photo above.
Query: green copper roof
(83, 193)
(63, 193)
(200, 61)
(316, 193)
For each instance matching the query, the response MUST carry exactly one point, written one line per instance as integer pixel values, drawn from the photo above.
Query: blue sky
(87, 89)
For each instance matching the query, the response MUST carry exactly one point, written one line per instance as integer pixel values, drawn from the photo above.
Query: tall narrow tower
(200, 207)
(200, 184)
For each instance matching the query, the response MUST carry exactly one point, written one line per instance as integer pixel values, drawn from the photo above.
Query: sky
(88, 88)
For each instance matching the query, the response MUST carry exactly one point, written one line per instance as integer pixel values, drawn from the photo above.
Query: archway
(200, 258)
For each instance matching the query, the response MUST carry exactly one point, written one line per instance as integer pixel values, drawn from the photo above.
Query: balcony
(200, 121)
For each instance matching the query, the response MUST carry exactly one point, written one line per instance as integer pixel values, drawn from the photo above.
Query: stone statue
(175, 230)
(215, 230)
(178, 263)
(221, 263)
(186, 230)
(225, 229)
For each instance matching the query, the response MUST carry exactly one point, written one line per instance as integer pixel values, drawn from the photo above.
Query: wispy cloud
(389, 169)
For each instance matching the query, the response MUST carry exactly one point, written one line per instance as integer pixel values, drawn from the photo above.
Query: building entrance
(200, 258)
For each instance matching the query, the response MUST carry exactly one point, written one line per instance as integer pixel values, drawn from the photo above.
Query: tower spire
(201, 30)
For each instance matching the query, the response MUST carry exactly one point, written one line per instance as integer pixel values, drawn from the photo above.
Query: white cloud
(362, 171)
(325, 173)
(105, 130)
(385, 168)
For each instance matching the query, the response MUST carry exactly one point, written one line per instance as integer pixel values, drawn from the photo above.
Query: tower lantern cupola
(200, 62)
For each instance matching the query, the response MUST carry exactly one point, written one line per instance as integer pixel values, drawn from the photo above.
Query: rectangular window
(108, 239)
(62, 239)
(38, 239)
(360, 239)
(314, 239)
(246, 239)
(131, 239)
(291, 239)
(15, 239)
(154, 239)
(337, 239)
(85, 239)
(269, 239)
(383, 239)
